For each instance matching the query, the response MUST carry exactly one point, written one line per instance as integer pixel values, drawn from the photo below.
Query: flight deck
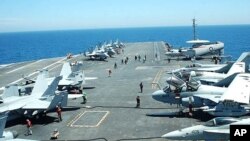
(110, 112)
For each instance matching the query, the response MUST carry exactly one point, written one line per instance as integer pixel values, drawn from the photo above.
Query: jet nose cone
(176, 135)
(15, 134)
(159, 95)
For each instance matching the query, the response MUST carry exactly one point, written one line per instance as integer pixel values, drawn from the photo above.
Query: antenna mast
(194, 29)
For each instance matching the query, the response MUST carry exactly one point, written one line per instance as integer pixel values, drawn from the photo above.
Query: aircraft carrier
(110, 112)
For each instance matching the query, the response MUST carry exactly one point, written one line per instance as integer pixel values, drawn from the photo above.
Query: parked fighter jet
(118, 44)
(213, 77)
(181, 92)
(42, 99)
(97, 54)
(206, 67)
(219, 68)
(108, 48)
(72, 77)
(217, 101)
(215, 129)
(212, 73)
(235, 99)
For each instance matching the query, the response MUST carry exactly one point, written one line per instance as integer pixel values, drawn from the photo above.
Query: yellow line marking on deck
(156, 79)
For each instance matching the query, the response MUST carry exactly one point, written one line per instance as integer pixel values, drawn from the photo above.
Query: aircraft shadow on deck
(199, 115)
(123, 107)
(89, 59)
(88, 87)
(42, 121)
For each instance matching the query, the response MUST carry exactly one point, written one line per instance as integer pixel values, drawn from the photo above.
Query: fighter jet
(210, 99)
(97, 54)
(42, 99)
(212, 73)
(219, 68)
(108, 48)
(235, 100)
(118, 44)
(213, 77)
(215, 129)
(206, 67)
(72, 76)
(180, 92)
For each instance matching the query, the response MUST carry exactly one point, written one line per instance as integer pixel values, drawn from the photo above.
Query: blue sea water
(25, 46)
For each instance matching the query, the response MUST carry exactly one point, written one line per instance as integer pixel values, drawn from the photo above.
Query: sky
(39, 15)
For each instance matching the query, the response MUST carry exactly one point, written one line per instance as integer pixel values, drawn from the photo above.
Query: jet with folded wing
(214, 77)
(206, 67)
(72, 76)
(217, 100)
(180, 92)
(215, 129)
(235, 100)
(42, 99)
(97, 54)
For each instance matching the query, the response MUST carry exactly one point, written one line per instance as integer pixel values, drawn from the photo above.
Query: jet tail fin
(226, 68)
(245, 57)
(52, 87)
(41, 84)
(79, 77)
(237, 67)
(66, 70)
(11, 90)
(226, 82)
(3, 119)
(60, 99)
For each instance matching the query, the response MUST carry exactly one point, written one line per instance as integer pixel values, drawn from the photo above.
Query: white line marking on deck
(24, 66)
(71, 123)
(37, 71)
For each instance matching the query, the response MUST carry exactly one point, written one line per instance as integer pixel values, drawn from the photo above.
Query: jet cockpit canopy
(219, 121)
(175, 83)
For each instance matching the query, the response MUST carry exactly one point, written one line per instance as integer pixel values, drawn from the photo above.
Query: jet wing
(37, 104)
(210, 80)
(216, 134)
(238, 90)
(11, 107)
(217, 131)
(214, 98)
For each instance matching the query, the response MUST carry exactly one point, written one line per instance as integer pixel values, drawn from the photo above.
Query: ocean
(26, 46)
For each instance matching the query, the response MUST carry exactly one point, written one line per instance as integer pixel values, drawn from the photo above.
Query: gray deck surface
(111, 113)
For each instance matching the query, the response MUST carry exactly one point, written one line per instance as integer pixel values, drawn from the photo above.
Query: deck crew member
(138, 102)
(59, 113)
(141, 87)
(29, 125)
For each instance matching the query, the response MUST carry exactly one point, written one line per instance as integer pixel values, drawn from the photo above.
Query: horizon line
(104, 28)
